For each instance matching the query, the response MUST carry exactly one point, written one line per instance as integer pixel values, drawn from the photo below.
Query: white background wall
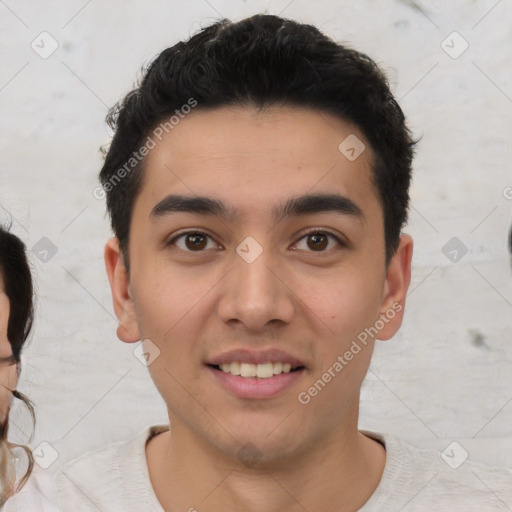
(447, 375)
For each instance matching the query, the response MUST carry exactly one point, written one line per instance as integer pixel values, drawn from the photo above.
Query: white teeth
(247, 370)
(262, 370)
(234, 368)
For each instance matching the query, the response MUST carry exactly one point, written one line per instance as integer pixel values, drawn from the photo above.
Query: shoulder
(429, 480)
(113, 478)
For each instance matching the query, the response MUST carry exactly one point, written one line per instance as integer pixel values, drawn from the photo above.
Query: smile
(255, 387)
(256, 374)
(261, 370)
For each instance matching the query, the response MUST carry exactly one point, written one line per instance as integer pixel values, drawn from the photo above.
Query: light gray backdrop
(446, 377)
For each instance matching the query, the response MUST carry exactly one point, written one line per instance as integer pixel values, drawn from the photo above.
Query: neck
(338, 472)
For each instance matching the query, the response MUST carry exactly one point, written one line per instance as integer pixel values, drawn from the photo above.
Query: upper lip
(255, 357)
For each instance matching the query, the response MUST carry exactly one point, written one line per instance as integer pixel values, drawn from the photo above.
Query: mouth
(255, 375)
(260, 371)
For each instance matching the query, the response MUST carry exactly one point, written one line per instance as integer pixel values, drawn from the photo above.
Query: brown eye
(195, 241)
(192, 241)
(318, 241)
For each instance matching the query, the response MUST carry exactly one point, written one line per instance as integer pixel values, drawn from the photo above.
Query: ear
(398, 278)
(128, 329)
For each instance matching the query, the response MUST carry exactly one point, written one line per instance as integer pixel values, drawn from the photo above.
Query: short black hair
(261, 61)
(18, 286)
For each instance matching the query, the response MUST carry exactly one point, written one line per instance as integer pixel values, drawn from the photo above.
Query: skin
(8, 373)
(311, 303)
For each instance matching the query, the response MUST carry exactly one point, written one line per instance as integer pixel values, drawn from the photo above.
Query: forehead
(253, 159)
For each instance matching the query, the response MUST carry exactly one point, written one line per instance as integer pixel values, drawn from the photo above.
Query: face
(8, 371)
(285, 264)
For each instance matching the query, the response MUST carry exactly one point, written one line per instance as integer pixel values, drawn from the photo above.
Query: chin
(257, 443)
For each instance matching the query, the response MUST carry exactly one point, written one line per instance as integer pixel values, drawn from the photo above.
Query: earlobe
(128, 329)
(398, 278)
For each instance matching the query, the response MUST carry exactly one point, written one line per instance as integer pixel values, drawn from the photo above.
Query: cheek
(166, 297)
(343, 315)
(344, 304)
(170, 309)
(8, 380)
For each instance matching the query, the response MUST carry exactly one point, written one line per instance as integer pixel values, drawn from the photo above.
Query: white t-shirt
(116, 479)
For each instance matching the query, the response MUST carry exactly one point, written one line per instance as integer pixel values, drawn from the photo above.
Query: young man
(257, 185)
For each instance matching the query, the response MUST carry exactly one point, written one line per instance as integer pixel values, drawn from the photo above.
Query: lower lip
(252, 387)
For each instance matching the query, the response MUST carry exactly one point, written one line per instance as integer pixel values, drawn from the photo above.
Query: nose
(256, 295)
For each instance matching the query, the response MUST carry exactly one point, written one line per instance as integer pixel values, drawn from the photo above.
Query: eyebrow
(295, 206)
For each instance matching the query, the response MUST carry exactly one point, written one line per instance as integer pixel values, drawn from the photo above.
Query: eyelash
(311, 231)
